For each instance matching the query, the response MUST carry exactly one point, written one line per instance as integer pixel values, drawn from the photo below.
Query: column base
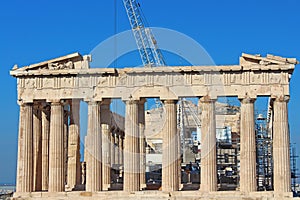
(106, 187)
(68, 188)
(143, 186)
(283, 195)
(178, 195)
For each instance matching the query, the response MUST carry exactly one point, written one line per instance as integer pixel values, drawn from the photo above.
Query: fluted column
(121, 148)
(248, 148)
(37, 147)
(105, 127)
(112, 148)
(131, 148)
(73, 177)
(45, 146)
(141, 116)
(25, 152)
(208, 145)
(170, 180)
(66, 137)
(56, 148)
(94, 154)
(281, 142)
(117, 148)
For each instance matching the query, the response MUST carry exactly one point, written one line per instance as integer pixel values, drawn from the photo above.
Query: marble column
(45, 146)
(106, 147)
(121, 138)
(24, 181)
(208, 145)
(281, 144)
(74, 173)
(94, 153)
(112, 147)
(56, 148)
(131, 148)
(141, 119)
(248, 148)
(116, 147)
(37, 147)
(170, 181)
(83, 165)
(66, 138)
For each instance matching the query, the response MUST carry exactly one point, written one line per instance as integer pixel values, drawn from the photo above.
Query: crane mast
(150, 53)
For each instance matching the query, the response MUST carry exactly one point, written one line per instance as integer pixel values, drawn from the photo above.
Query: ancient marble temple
(50, 94)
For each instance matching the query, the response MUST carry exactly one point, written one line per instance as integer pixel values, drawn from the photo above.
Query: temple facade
(50, 94)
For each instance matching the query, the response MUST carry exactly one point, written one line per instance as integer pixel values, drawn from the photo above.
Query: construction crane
(150, 53)
(152, 56)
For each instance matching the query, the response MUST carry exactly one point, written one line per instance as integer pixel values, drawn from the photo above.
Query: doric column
(73, 177)
(56, 148)
(112, 147)
(94, 154)
(121, 138)
(105, 127)
(208, 145)
(25, 151)
(281, 142)
(66, 137)
(170, 181)
(45, 146)
(141, 119)
(37, 147)
(131, 148)
(248, 148)
(116, 147)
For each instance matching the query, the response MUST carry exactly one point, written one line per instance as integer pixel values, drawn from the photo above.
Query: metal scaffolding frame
(264, 154)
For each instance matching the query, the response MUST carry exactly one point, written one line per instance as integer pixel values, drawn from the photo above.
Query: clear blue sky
(36, 30)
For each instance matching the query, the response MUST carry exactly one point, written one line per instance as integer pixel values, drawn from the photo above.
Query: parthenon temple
(51, 165)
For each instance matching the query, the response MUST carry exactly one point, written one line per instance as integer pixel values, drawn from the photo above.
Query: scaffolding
(264, 158)
(294, 169)
(228, 151)
(228, 163)
(228, 147)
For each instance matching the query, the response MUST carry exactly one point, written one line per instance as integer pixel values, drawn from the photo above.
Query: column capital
(55, 101)
(282, 98)
(170, 101)
(130, 102)
(207, 99)
(247, 100)
(24, 101)
(92, 102)
(22, 104)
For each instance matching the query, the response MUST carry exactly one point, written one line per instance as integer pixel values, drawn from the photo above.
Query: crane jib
(150, 54)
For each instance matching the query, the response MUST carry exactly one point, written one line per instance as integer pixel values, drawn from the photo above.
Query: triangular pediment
(248, 59)
(64, 62)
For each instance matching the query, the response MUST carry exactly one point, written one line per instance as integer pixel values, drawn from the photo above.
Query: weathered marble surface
(57, 83)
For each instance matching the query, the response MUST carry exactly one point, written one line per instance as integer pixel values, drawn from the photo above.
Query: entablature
(172, 82)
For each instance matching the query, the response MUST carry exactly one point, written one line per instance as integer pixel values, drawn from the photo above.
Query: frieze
(48, 82)
(60, 79)
(197, 79)
(67, 82)
(275, 78)
(175, 79)
(30, 83)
